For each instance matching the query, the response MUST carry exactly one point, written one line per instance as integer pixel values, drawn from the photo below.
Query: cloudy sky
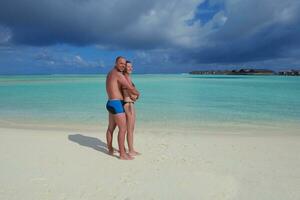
(159, 36)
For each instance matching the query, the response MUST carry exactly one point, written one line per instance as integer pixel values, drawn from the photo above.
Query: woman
(129, 110)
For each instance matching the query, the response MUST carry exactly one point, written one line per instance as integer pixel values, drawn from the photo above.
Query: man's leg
(120, 120)
(109, 133)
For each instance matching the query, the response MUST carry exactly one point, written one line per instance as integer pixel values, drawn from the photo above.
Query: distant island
(247, 72)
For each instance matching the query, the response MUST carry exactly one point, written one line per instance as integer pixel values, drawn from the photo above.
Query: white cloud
(5, 35)
(48, 57)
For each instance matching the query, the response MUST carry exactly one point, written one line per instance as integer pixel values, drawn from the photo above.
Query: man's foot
(111, 151)
(126, 157)
(134, 153)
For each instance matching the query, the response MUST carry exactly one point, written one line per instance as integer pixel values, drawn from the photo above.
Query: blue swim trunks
(115, 106)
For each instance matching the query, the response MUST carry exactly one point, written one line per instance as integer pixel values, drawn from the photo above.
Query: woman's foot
(134, 153)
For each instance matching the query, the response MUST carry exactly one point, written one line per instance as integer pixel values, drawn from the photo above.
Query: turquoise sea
(172, 101)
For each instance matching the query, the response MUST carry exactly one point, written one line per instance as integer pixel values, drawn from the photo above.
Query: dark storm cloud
(75, 22)
(271, 42)
(222, 31)
(252, 31)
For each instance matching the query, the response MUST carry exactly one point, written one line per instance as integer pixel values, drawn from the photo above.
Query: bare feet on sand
(134, 153)
(126, 157)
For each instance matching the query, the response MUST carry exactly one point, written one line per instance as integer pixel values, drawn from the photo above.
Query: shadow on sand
(91, 142)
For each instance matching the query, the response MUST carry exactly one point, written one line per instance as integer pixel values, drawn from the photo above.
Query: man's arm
(134, 97)
(131, 89)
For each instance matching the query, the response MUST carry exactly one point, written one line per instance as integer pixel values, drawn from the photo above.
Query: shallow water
(166, 100)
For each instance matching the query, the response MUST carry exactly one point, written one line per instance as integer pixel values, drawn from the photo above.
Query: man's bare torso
(113, 87)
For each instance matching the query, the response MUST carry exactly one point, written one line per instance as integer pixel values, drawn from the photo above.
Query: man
(115, 81)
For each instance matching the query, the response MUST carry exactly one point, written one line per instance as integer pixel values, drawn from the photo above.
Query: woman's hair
(125, 71)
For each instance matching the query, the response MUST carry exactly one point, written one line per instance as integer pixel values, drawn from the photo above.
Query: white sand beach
(74, 165)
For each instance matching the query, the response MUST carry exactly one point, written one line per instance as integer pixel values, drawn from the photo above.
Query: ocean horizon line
(162, 74)
(152, 73)
(71, 74)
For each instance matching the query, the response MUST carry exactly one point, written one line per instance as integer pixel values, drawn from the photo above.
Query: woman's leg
(130, 115)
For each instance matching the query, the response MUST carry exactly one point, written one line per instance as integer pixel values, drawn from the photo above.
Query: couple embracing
(121, 94)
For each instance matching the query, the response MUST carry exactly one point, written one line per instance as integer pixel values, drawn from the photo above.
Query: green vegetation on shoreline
(247, 72)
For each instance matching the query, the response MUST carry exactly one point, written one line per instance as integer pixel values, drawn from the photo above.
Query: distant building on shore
(236, 72)
(290, 73)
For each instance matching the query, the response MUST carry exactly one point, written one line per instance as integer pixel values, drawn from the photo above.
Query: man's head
(120, 63)
(128, 67)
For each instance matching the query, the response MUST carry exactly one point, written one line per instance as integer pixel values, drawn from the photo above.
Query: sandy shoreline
(73, 165)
